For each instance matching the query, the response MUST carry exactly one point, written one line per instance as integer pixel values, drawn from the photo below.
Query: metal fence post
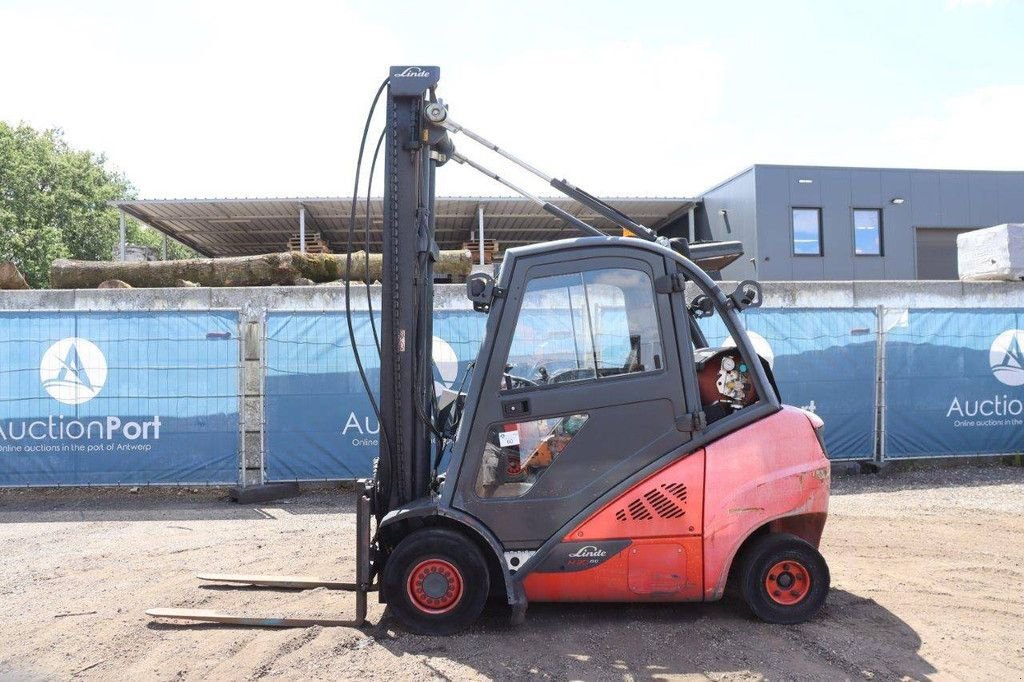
(880, 384)
(263, 395)
(241, 333)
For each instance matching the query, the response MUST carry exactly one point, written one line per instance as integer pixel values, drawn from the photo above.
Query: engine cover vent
(669, 504)
(665, 501)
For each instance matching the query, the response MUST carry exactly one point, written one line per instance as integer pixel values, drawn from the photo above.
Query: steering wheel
(513, 381)
(572, 374)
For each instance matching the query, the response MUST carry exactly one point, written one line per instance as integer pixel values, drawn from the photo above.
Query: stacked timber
(491, 250)
(314, 243)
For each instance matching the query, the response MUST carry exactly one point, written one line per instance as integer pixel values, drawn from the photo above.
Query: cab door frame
(673, 382)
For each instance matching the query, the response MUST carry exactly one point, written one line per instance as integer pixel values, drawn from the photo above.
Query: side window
(585, 325)
(518, 453)
(724, 379)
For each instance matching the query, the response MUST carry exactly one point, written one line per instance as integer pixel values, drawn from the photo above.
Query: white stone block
(994, 253)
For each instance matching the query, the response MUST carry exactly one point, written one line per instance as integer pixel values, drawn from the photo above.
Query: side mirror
(701, 307)
(748, 294)
(480, 290)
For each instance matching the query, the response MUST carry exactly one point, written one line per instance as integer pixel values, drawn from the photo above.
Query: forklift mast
(409, 251)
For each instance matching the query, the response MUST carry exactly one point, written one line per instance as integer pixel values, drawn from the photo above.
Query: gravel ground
(926, 565)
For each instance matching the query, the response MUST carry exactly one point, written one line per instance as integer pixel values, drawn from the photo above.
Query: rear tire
(436, 582)
(784, 579)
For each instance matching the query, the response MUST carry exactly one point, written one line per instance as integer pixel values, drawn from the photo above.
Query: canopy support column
(122, 238)
(480, 237)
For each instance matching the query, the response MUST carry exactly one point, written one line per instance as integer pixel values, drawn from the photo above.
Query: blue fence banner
(824, 360)
(319, 422)
(135, 398)
(113, 398)
(954, 383)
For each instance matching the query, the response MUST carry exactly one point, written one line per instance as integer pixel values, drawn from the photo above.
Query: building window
(807, 232)
(867, 231)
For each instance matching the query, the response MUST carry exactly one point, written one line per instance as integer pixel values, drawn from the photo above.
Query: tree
(55, 203)
(143, 235)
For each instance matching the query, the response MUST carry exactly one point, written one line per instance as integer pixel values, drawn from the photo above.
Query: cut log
(242, 271)
(114, 284)
(11, 277)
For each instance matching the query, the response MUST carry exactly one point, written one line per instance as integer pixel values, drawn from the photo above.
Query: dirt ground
(927, 572)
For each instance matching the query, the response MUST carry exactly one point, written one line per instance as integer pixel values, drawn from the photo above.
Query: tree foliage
(55, 203)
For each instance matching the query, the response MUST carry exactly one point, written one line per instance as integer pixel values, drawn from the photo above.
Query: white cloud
(210, 98)
(261, 98)
(961, 4)
(980, 129)
(266, 99)
(617, 119)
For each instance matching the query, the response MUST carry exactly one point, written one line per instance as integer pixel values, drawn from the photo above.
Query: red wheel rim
(788, 583)
(435, 586)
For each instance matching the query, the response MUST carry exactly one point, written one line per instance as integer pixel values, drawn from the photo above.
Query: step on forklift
(602, 451)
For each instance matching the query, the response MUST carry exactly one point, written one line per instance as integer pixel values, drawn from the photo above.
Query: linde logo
(588, 552)
(1006, 360)
(73, 371)
(413, 72)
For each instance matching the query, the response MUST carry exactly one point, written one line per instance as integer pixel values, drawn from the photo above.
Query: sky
(261, 99)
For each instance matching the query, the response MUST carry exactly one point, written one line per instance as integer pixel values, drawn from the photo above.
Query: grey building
(831, 223)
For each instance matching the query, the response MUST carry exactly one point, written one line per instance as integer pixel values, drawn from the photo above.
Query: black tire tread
(455, 548)
(765, 551)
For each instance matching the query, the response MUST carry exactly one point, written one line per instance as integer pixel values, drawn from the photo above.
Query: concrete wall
(932, 199)
(253, 302)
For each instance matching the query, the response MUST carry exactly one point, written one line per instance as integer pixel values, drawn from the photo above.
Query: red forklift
(602, 452)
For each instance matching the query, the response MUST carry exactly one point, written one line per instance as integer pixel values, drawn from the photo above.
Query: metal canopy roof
(239, 227)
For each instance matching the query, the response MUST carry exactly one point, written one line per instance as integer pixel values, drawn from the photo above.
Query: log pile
(11, 277)
(243, 271)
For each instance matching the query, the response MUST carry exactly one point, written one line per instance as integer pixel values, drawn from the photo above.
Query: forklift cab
(588, 375)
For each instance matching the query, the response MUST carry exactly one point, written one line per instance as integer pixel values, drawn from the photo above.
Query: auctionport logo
(73, 371)
(1006, 360)
(446, 371)
(1006, 357)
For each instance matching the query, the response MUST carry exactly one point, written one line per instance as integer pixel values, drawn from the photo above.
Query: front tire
(784, 579)
(436, 582)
